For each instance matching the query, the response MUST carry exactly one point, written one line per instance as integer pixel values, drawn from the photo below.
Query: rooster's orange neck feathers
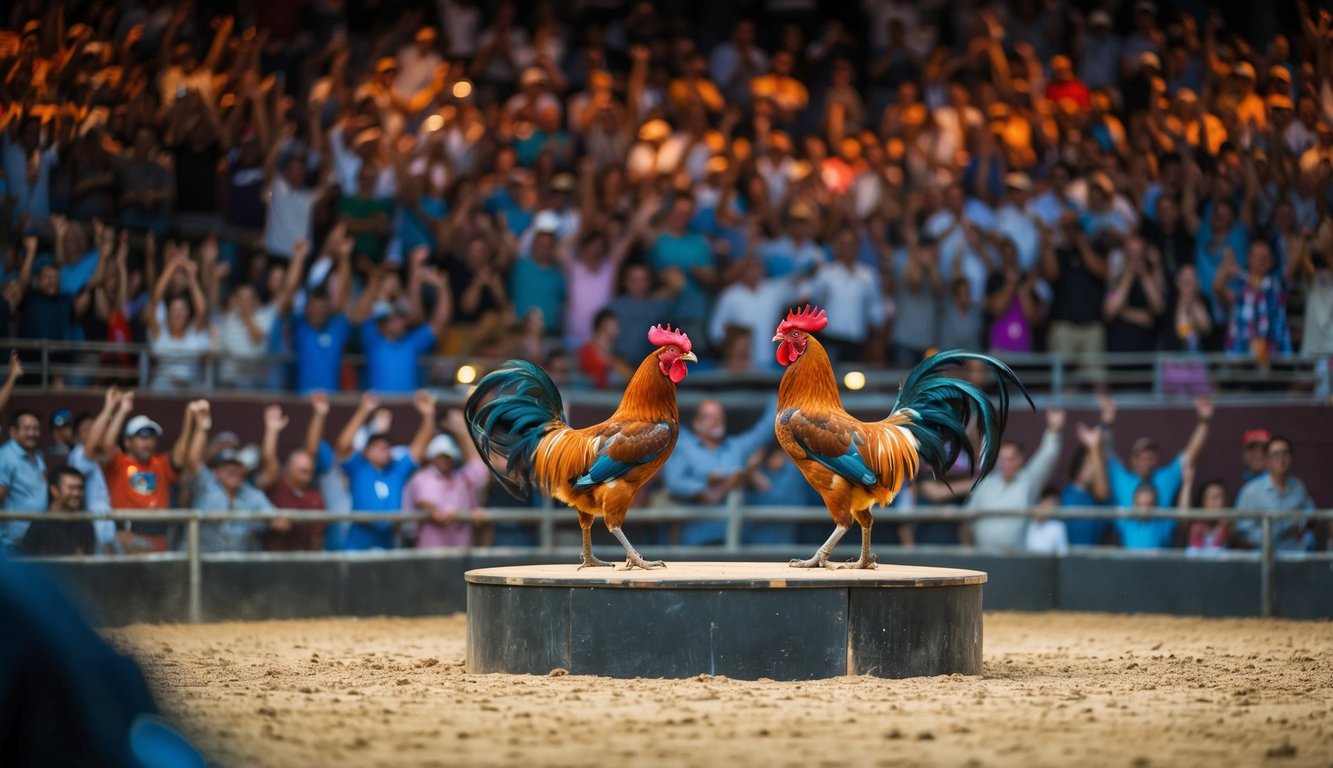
(649, 396)
(809, 379)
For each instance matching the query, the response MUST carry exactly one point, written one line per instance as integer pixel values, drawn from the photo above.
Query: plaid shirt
(1259, 315)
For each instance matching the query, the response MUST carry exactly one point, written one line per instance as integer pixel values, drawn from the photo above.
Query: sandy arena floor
(1059, 689)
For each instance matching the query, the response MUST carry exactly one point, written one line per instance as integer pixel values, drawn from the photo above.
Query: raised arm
(270, 466)
(1091, 438)
(314, 430)
(292, 280)
(1203, 406)
(424, 402)
(343, 447)
(106, 446)
(12, 377)
(92, 439)
(187, 454)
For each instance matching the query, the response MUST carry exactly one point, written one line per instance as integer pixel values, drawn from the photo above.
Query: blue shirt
(319, 353)
(392, 365)
(231, 535)
(1082, 531)
(684, 253)
(1152, 533)
(413, 231)
(74, 276)
(686, 472)
(375, 490)
(533, 286)
(24, 476)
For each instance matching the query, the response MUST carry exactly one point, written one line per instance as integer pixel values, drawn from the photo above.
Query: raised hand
(1108, 408)
(1055, 419)
(15, 365)
(274, 419)
(127, 401)
(424, 402)
(1203, 407)
(369, 402)
(454, 422)
(1089, 437)
(319, 402)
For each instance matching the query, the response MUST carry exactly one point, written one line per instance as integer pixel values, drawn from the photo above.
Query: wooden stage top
(694, 575)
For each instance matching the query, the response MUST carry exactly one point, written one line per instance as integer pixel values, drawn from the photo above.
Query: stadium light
(466, 374)
(462, 89)
(854, 380)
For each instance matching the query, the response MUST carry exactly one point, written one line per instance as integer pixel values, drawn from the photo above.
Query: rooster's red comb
(810, 319)
(661, 337)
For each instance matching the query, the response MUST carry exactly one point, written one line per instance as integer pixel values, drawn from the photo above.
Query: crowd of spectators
(114, 460)
(320, 180)
(483, 181)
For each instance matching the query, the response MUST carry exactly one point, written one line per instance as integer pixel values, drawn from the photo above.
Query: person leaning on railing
(1276, 491)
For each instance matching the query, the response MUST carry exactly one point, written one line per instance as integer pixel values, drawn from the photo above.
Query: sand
(1058, 689)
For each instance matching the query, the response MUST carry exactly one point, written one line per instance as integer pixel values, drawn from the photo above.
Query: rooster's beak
(689, 357)
(777, 337)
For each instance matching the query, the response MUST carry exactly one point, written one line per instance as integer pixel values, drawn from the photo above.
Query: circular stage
(740, 620)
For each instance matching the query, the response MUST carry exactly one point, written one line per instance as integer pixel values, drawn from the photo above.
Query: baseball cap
(61, 417)
(546, 221)
(1143, 444)
(1017, 180)
(1244, 69)
(227, 456)
(1253, 436)
(443, 445)
(141, 423)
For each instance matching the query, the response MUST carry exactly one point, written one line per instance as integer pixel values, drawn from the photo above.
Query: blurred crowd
(86, 465)
(544, 180)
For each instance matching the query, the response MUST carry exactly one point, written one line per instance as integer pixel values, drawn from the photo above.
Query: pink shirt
(455, 492)
(589, 291)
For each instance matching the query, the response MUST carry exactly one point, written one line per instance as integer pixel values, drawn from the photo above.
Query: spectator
(1012, 304)
(854, 289)
(28, 159)
(243, 330)
(639, 306)
(392, 346)
(1205, 536)
(22, 473)
(447, 489)
(375, 478)
(1192, 326)
(597, 360)
(221, 487)
(1017, 485)
(917, 296)
(138, 477)
(1276, 491)
(48, 537)
(1255, 457)
(1135, 303)
(289, 486)
(44, 313)
(145, 183)
(707, 465)
(676, 248)
(1087, 487)
(1077, 274)
(320, 329)
(96, 496)
(181, 339)
(960, 320)
(368, 217)
(751, 303)
(1141, 531)
(1145, 471)
(773, 480)
(537, 281)
(62, 437)
(1046, 535)
(1256, 306)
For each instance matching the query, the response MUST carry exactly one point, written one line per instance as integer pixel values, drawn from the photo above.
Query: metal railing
(548, 516)
(1159, 374)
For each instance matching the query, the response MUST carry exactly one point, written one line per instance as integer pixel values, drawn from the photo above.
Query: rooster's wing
(623, 446)
(831, 438)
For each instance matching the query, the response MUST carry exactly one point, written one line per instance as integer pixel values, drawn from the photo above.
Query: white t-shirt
(288, 217)
(1047, 537)
(177, 359)
(240, 361)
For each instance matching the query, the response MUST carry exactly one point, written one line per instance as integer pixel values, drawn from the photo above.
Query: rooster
(854, 465)
(516, 419)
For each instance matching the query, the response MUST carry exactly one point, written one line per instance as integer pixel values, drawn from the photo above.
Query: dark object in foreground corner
(740, 620)
(66, 697)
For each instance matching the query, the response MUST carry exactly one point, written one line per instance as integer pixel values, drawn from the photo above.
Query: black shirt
(1077, 293)
(52, 538)
(46, 317)
(197, 178)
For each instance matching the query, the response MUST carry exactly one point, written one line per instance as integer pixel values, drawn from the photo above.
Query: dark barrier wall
(115, 592)
(1309, 426)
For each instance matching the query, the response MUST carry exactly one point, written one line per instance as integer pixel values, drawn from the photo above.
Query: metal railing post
(546, 531)
(46, 366)
(1158, 374)
(1267, 586)
(733, 539)
(196, 575)
(1057, 374)
(144, 367)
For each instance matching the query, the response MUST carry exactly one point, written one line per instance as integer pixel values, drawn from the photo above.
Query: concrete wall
(122, 591)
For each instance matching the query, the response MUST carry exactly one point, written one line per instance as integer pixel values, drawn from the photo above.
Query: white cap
(443, 445)
(140, 423)
(546, 221)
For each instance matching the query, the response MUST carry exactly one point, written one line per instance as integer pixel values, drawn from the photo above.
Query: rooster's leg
(589, 559)
(820, 560)
(632, 557)
(867, 560)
